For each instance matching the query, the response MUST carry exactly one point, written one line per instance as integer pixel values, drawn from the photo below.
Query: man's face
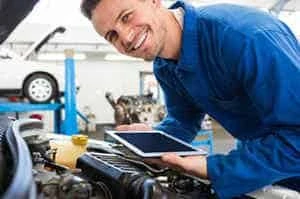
(132, 26)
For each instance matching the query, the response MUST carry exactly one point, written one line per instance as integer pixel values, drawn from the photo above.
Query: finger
(122, 128)
(140, 127)
(155, 161)
(152, 160)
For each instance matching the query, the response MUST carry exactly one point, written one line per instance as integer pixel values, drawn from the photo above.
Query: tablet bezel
(196, 151)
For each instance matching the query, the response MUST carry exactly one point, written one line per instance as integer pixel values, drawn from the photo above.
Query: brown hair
(87, 6)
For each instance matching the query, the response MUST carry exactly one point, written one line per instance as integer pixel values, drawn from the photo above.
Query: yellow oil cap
(80, 139)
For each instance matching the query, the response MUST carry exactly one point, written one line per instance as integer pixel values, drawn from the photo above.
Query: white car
(39, 82)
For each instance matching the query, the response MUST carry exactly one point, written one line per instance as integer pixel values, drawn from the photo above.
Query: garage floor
(223, 141)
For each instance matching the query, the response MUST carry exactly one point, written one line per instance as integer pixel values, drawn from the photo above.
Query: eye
(126, 17)
(112, 36)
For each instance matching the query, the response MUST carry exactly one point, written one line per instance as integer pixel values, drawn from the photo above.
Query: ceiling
(81, 36)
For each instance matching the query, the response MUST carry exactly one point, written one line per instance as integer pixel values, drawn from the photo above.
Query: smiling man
(238, 64)
(138, 28)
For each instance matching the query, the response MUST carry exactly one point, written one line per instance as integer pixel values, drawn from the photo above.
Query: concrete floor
(223, 141)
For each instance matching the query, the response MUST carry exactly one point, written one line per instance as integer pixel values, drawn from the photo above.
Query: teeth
(140, 41)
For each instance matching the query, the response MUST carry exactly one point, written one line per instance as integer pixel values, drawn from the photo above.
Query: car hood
(12, 12)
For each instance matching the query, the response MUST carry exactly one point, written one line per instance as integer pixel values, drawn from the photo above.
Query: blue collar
(187, 59)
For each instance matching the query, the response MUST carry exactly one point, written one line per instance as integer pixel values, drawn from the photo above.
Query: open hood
(6, 53)
(12, 12)
(34, 48)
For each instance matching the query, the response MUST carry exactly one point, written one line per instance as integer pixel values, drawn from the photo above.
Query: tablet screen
(154, 142)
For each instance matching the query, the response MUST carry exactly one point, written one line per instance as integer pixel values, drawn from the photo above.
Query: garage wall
(98, 77)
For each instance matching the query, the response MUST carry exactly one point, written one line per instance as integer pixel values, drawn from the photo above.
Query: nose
(126, 36)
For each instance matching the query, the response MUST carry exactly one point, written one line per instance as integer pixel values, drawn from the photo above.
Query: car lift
(69, 125)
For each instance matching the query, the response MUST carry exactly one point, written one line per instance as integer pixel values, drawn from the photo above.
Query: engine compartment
(105, 171)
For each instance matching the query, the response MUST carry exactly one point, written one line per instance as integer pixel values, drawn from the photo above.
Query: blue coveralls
(242, 67)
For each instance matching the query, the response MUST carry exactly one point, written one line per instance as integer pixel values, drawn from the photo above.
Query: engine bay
(105, 171)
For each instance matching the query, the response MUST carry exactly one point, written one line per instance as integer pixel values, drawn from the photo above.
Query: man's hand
(194, 165)
(134, 127)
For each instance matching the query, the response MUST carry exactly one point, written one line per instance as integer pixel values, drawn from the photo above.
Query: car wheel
(40, 88)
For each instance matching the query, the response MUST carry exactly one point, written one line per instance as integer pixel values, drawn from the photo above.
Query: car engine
(135, 109)
(105, 171)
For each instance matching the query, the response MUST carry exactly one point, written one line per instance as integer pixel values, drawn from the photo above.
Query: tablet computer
(154, 143)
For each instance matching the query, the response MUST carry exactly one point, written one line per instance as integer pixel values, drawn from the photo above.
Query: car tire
(40, 88)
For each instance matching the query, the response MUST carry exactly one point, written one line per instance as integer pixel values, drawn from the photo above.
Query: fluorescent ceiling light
(120, 57)
(59, 56)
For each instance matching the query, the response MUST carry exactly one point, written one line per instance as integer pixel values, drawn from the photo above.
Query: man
(239, 65)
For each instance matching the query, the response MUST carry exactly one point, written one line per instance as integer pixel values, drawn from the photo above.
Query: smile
(138, 42)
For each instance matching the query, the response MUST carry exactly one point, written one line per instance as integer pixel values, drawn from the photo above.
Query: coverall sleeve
(268, 69)
(183, 119)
